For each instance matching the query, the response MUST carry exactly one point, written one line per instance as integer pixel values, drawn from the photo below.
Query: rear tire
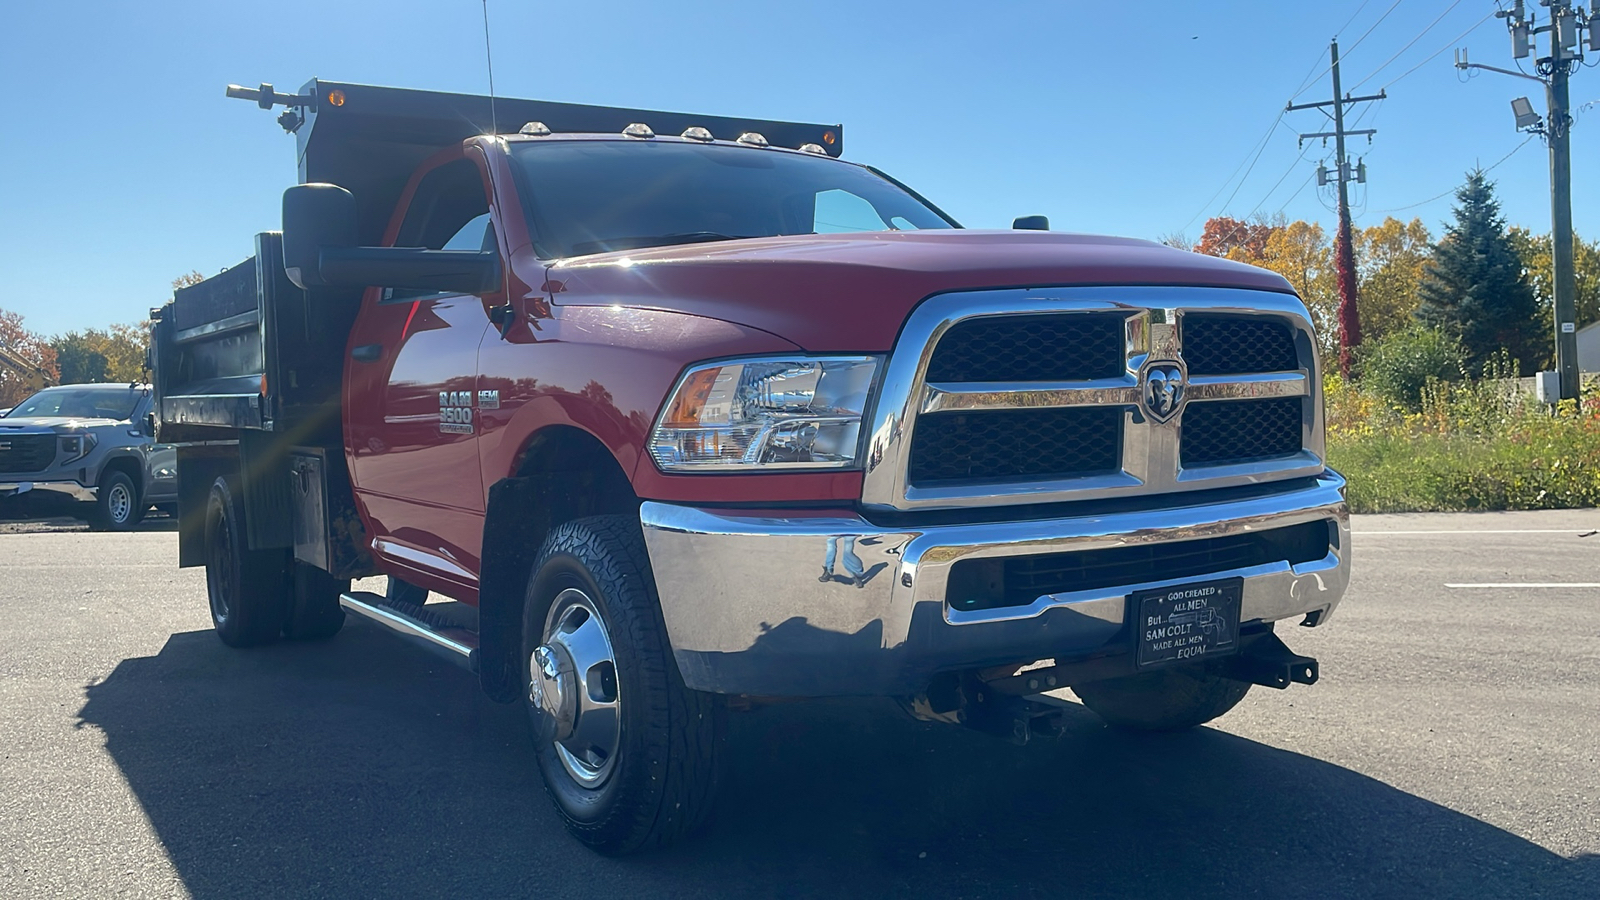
(1163, 700)
(627, 752)
(314, 610)
(248, 589)
(117, 506)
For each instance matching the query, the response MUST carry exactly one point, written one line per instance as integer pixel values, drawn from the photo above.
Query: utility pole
(1343, 249)
(1564, 27)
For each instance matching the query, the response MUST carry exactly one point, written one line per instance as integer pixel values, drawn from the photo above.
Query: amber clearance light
(336, 98)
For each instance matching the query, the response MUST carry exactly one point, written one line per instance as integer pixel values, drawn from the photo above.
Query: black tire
(248, 589)
(663, 776)
(314, 610)
(117, 505)
(1163, 700)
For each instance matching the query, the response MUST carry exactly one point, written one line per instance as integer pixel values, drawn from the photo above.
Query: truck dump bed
(243, 350)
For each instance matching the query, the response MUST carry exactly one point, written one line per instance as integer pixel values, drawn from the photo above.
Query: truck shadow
(360, 769)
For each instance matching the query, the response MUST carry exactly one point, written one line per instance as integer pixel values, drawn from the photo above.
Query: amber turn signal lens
(691, 399)
(336, 98)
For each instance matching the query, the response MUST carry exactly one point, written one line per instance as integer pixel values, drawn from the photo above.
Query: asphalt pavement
(1448, 751)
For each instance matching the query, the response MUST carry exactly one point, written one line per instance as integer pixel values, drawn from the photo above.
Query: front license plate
(1187, 622)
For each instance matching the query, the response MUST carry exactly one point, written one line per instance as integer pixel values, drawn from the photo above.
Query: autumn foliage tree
(1535, 253)
(1390, 257)
(1236, 239)
(114, 354)
(1299, 251)
(33, 349)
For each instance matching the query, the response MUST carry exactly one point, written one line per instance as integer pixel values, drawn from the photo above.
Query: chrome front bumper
(66, 489)
(752, 605)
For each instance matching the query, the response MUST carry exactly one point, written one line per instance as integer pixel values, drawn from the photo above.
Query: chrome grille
(23, 453)
(1007, 396)
(1019, 443)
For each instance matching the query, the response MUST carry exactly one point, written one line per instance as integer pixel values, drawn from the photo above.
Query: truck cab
(664, 409)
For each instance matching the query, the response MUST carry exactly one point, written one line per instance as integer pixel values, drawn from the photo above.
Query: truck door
(411, 423)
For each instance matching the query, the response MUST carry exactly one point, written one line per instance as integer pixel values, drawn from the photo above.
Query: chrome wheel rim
(573, 683)
(119, 503)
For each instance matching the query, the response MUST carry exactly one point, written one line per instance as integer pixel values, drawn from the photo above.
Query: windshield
(594, 196)
(108, 402)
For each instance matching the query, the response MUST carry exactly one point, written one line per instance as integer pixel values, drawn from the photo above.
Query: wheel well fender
(564, 473)
(127, 465)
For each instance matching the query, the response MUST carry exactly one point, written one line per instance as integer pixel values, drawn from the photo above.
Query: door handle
(367, 353)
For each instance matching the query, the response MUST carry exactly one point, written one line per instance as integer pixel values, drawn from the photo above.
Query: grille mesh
(1058, 347)
(1235, 345)
(1230, 431)
(1023, 443)
(26, 452)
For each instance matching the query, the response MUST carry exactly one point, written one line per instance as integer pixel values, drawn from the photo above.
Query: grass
(1481, 445)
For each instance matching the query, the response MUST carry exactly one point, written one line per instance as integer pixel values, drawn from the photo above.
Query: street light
(1523, 110)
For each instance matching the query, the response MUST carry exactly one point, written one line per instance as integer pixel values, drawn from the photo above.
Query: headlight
(74, 446)
(769, 413)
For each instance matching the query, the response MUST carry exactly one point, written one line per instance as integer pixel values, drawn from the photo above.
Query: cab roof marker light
(813, 148)
(638, 130)
(697, 133)
(753, 138)
(536, 129)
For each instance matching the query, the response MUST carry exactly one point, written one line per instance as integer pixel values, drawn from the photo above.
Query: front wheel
(1163, 700)
(627, 753)
(116, 505)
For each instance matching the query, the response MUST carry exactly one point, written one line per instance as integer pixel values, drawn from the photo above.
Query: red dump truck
(640, 411)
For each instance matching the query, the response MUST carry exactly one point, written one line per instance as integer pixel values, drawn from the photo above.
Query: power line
(1279, 182)
(1453, 190)
(1297, 191)
(1251, 169)
(1352, 17)
(1258, 147)
(1429, 58)
(1420, 35)
(488, 57)
(1352, 46)
(1374, 27)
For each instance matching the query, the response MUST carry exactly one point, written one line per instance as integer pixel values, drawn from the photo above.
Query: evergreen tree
(1475, 289)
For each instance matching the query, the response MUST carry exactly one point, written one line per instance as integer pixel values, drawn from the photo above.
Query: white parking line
(1532, 584)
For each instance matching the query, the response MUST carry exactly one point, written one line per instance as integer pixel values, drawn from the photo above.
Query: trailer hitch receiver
(1265, 660)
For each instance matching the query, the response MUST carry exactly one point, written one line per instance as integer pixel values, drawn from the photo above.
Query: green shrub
(1478, 445)
(1399, 366)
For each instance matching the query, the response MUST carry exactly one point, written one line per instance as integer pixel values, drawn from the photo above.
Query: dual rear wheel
(258, 596)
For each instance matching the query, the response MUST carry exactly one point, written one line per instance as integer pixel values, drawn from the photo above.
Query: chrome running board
(456, 645)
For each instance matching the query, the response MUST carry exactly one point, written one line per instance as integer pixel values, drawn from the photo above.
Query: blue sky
(124, 166)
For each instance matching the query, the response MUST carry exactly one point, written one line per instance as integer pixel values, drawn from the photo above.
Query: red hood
(851, 292)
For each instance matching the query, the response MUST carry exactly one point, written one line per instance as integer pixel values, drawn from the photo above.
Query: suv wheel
(628, 754)
(117, 506)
